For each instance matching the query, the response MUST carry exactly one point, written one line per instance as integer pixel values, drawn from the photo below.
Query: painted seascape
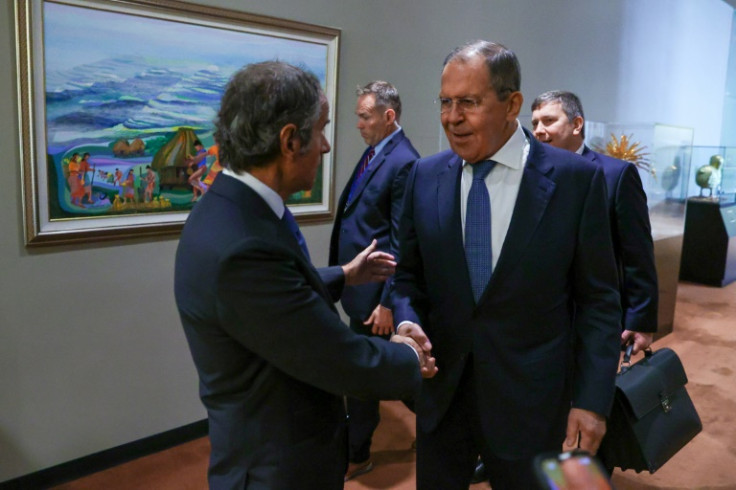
(130, 103)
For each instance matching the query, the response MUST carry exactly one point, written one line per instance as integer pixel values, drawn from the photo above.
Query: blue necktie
(478, 251)
(291, 223)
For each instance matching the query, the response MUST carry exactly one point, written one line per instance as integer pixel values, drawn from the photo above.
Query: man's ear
(289, 142)
(577, 125)
(514, 103)
(390, 116)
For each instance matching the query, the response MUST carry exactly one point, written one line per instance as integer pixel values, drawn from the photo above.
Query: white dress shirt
(503, 187)
(269, 195)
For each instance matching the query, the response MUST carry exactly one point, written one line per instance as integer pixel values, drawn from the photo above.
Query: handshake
(413, 335)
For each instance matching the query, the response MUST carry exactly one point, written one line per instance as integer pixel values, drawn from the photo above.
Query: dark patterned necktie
(361, 170)
(478, 251)
(291, 223)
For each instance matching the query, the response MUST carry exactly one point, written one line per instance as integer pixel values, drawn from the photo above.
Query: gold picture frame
(112, 95)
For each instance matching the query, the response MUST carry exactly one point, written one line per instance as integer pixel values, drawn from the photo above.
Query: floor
(704, 336)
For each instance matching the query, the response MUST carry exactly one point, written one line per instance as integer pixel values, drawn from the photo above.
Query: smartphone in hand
(573, 470)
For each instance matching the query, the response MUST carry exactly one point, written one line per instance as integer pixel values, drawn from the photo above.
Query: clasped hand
(413, 335)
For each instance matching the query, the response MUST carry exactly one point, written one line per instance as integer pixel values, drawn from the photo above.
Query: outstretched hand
(369, 266)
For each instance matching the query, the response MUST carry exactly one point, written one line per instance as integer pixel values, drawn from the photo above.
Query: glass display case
(666, 153)
(665, 166)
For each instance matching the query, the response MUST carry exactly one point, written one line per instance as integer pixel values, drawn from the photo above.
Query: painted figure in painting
(129, 188)
(86, 180)
(198, 166)
(150, 180)
(215, 168)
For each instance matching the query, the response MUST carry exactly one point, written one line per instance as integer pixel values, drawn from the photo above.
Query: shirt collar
(269, 195)
(513, 153)
(385, 140)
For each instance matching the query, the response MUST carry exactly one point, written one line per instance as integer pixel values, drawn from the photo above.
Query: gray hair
(569, 102)
(503, 66)
(259, 100)
(386, 95)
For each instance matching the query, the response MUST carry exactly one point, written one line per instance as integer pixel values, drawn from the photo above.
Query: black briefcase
(653, 416)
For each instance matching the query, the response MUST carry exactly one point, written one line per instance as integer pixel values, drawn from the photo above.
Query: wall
(673, 65)
(91, 351)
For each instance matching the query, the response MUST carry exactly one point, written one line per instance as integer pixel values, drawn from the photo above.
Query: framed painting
(116, 103)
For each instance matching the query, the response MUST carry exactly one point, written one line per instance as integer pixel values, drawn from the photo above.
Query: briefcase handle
(626, 362)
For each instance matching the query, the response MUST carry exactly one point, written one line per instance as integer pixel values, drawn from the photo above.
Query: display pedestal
(709, 243)
(667, 260)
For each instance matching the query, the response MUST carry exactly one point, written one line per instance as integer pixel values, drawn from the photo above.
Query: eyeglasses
(463, 104)
(467, 104)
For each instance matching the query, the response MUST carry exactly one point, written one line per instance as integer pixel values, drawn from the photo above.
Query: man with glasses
(500, 236)
(369, 209)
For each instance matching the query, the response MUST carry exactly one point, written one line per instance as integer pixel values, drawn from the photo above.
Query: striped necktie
(361, 170)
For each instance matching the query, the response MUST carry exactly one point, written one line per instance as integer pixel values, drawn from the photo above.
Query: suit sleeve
(640, 293)
(334, 279)
(272, 303)
(398, 187)
(597, 305)
(407, 291)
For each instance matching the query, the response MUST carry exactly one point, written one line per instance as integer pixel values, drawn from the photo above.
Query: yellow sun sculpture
(625, 149)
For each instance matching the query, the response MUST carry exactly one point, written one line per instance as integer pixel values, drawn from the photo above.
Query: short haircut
(569, 102)
(259, 100)
(386, 95)
(503, 66)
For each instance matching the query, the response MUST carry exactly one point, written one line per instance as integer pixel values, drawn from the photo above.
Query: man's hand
(640, 340)
(369, 266)
(382, 320)
(426, 362)
(424, 346)
(590, 426)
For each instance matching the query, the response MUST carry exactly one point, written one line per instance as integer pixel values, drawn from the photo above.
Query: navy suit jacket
(273, 357)
(632, 242)
(531, 355)
(373, 212)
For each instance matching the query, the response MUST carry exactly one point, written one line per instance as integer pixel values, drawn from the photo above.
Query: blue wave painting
(135, 93)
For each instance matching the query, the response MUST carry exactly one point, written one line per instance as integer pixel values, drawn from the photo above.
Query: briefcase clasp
(666, 403)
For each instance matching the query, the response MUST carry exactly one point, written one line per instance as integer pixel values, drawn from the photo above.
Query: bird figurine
(709, 176)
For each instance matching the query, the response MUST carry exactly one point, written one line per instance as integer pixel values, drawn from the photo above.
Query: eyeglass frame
(465, 104)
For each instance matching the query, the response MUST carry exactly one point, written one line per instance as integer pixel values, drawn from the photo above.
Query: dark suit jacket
(373, 212)
(531, 355)
(273, 357)
(632, 242)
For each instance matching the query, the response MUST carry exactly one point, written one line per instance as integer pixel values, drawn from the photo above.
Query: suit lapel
(448, 199)
(269, 225)
(535, 192)
(450, 234)
(378, 160)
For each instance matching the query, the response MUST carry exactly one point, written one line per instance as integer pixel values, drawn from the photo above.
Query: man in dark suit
(490, 267)
(272, 355)
(369, 208)
(557, 119)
